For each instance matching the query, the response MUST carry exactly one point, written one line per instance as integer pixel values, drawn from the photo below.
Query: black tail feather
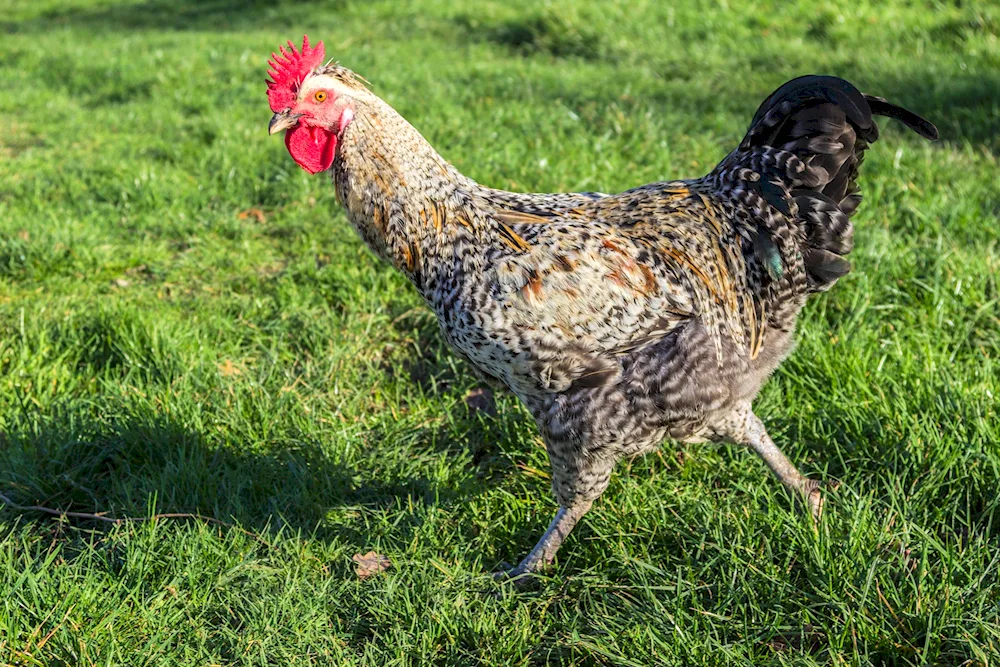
(810, 137)
(922, 126)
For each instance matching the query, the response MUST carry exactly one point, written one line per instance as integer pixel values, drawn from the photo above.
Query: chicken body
(621, 320)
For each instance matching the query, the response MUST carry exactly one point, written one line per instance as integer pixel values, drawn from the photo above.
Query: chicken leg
(746, 428)
(545, 551)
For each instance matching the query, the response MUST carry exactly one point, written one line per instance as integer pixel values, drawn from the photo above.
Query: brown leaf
(228, 369)
(121, 282)
(480, 399)
(369, 564)
(254, 213)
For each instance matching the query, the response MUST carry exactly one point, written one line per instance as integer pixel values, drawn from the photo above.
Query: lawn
(189, 325)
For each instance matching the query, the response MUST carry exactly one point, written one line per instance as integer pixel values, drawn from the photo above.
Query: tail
(809, 138)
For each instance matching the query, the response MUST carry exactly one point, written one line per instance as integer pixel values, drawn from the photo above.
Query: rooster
(618, 320)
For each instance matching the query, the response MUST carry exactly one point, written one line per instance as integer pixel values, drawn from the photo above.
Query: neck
(406, 201)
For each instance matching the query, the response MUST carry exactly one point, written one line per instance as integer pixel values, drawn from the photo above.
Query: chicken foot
(746, 428)
(545, 550)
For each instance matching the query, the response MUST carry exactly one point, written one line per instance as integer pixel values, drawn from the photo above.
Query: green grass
(163, 350)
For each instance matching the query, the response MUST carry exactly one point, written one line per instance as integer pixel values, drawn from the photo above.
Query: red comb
(288, 70)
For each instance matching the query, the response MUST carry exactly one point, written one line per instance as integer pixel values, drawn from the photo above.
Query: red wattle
(313, 148)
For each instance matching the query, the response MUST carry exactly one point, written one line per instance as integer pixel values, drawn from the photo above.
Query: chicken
(618, 320)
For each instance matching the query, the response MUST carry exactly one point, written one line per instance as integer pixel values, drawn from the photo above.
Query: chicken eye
(320, 96)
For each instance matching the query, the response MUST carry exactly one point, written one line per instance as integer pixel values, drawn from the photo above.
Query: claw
(518, 576)
(814, 496)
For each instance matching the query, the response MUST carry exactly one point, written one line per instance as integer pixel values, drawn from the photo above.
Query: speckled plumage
(621, 320)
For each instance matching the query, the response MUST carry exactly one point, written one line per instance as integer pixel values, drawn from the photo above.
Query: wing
(606, 279)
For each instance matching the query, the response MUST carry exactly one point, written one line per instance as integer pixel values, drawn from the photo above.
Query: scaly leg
(545, 551)
(747, 429)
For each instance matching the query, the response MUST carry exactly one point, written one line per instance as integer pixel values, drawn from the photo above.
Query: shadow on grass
(546, 31)
(962, 105)
(194, 15)
(129, 467)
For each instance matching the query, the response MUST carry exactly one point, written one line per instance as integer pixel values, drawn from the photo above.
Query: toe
(518, 576)
(815, 500)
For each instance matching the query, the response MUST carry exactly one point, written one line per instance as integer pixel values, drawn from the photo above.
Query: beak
(282, 121)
